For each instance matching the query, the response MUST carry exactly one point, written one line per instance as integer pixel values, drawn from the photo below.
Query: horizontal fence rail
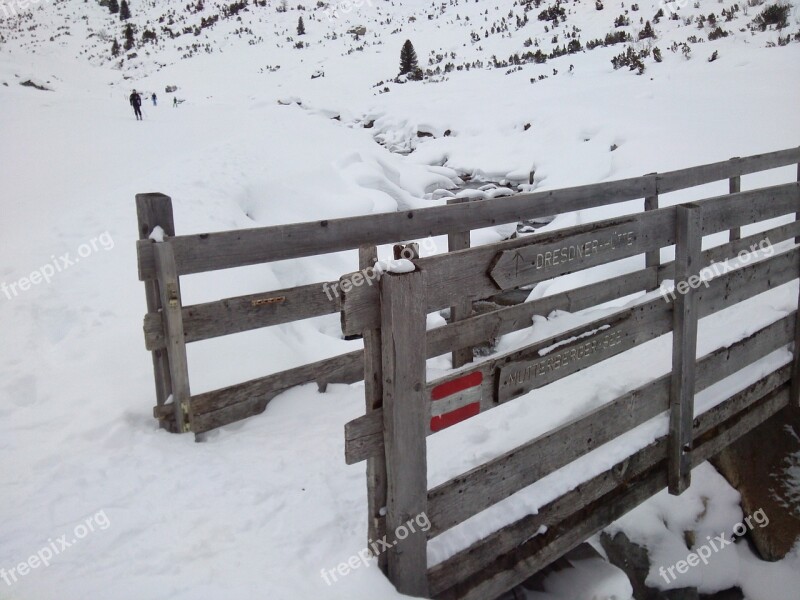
(207, 252)
(703, 286)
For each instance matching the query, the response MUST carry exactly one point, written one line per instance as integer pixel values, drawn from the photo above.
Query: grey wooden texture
(212, 251)
(462, 308)
(170, 291)
(454, 274)
(684, 346)
(607, 241)
(373, 395)
(403, 364)
(734, 210)
(221, 250)
(466, 273)
(693, 176)
(458, 499)
(734, 187)
(363, 436)
(652, 258)
(234, 403)
(155, 210)
(245, 313)
(508, 556)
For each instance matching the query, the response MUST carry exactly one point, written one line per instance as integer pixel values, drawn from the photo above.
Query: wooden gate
(404, 407)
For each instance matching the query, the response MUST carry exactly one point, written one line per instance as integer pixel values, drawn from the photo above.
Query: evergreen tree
(113, 6)
(301, 27)
(129, 40)
(124, 11)
(408, 61)
(115, 48)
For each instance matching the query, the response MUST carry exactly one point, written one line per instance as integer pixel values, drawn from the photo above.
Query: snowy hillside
(275, 127)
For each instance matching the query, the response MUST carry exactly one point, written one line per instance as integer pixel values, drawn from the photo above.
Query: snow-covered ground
(261, 507)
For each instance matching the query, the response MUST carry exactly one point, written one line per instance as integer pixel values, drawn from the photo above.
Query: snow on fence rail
(169, 325)
(404, 407)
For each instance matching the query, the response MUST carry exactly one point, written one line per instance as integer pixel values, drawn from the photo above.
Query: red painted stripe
(453, 387)
(460, 414)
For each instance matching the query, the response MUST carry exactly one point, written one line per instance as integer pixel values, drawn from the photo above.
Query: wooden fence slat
(458, 499)
(363, 435)
(684, 345)
(170, 291)
(487, 567)
(245, 313)
(373, 395)
(403, 322)
(652, 258)
(463, 308)
(734, 187)
(227, 249)
(155, 210)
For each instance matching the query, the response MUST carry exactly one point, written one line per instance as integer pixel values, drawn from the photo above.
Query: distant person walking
(175, 102)
(155, 100)
(136, 103)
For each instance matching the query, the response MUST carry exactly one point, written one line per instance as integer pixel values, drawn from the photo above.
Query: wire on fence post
(689, 237)
(403, 324)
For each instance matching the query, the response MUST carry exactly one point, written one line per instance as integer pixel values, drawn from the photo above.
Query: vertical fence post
(463, 308)
(172, 314)
(155, 210)
(373, 391)
(652, 258)
(688, 244)
(734, 187)
(404, 427)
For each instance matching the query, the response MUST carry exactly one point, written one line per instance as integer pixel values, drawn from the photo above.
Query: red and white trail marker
(455, 401)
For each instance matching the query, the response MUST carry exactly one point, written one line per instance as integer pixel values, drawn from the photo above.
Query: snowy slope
(261, 507)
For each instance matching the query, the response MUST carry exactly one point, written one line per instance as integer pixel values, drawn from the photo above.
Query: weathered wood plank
(693, 176)
(463, 308)
(227, 249)
(404, 420)
(684, 346)
(510, 555)
(227, 405)
(170, 291)
(373, 397)
(652, 258)
(734, 210)
(458, 499)
(466, 273)
(475, 558)
(245, 313)
(155, 210)
(734, 187)
(363, 435)
(545, 259)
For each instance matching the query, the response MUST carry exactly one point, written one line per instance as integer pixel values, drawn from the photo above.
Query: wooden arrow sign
(540, 261)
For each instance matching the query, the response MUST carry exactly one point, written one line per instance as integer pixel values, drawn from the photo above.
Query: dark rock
(29, 83)
(755, 466)
(423, 134)
(731, 594)
(635, 563)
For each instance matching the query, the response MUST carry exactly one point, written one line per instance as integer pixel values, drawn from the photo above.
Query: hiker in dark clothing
(155, 100)
(136, 103)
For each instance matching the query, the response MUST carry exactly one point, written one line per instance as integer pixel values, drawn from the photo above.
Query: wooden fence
(169, 325)
(404, 407)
